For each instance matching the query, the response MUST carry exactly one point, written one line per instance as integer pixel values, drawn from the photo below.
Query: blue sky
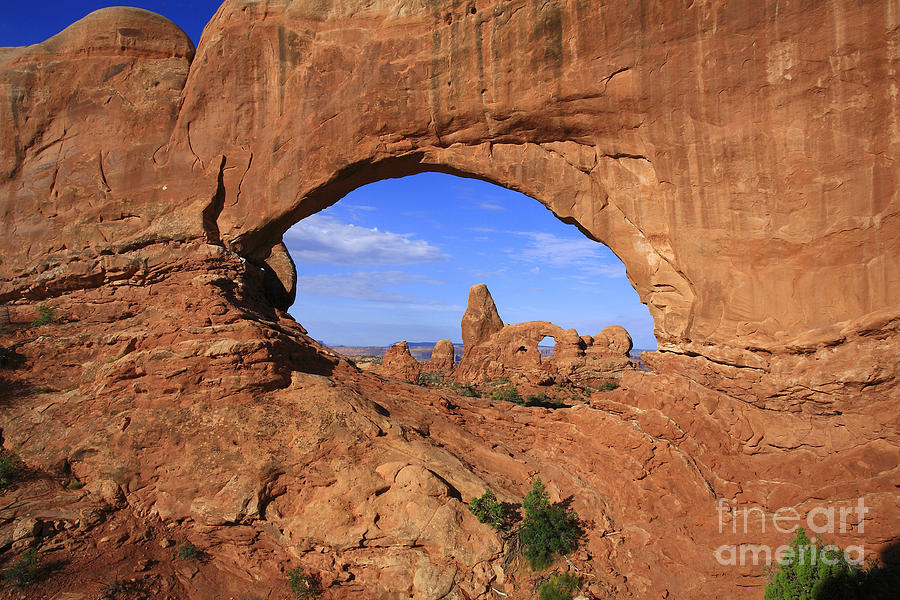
(26, 23)
(395, 259)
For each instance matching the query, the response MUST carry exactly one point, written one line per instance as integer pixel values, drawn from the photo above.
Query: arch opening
(547, 347)
(394, 259)
(602, 195)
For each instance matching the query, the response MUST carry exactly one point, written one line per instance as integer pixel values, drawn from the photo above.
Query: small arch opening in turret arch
(547, 347)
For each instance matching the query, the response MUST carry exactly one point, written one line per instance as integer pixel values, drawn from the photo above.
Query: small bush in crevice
(188, 551)
(561, 586)
(10, 467)
(303, 585)
(489, 510)
(547, 529)
(46, 315)
(608, 385)
(134, 589)
(26, 570)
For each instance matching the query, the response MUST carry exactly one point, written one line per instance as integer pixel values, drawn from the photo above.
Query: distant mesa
(493, 349)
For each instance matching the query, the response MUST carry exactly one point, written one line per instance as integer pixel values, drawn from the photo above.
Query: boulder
(399, 363)
(443, 358)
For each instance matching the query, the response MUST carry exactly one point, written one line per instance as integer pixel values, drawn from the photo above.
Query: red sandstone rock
(399, 363)
(481, 319)
(612, 340)
(443, 358)
(512, 350)
(740, 160)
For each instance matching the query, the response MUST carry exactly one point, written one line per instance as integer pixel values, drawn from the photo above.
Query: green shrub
(42, 389)
(812, 571)
(506, 394)
(464, 389)
(110, 361)
(76, 485)
(608, 385)
(429, 378)
(10, 467)
(546, 529)
(303, 585)
(188, 551)
(46, 315)
(562, 586)
(26, 570)
(489, 510)
(580, 396)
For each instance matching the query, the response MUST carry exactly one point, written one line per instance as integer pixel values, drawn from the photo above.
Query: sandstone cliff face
(738, 157)
(709, 147)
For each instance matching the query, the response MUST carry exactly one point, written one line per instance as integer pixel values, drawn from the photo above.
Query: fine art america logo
(786, 520)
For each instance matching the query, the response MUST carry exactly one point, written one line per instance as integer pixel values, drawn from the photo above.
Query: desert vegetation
(506, 393)
(46, 315)
(560, 586)
(10, 467)
(545, 531)
(25, 570)
(303, 585)
(429, 378)
(434, 379)
(608, 386)
(489, 510)
(188, 552)
(502, 389)
(812, 570)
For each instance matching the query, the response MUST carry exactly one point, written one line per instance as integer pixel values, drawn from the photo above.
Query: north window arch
(414, 245)
(549, 173)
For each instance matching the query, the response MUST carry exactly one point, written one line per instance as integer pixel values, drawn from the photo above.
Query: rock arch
(288, 105)
(739, 158)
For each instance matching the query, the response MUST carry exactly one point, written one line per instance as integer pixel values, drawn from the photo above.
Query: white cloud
(571, 253)
(325, 240)
(481, 274)
(370, 286)
(490, 206)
